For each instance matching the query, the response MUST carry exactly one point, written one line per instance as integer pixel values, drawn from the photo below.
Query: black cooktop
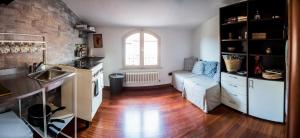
(86, 62)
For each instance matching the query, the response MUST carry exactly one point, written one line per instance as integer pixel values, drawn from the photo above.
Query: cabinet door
(266, 99)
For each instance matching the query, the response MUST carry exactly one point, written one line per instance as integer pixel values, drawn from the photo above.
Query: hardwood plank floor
(164, 113)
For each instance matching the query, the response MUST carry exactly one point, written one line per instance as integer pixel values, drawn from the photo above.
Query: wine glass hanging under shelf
(22, 46)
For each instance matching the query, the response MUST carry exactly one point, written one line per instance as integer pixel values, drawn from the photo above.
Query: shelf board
(233, 53)
(240, 22)
(267, 55)
(235, 74)
(266, 20)
(261, 78)
(268, 39)
(65, 115)
(233, 40)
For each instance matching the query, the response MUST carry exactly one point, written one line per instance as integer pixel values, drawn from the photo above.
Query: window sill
(141, 68)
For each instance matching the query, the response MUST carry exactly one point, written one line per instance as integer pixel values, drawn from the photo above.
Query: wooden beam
(294, 70)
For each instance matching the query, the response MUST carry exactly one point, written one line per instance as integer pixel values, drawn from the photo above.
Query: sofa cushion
(210, 68)
(202, 81)
(179, 77)
(198, 68)
(189, 63)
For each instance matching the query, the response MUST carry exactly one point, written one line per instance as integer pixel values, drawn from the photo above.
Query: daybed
(200, 89)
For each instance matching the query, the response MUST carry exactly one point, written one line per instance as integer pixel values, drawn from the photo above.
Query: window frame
(141, 66)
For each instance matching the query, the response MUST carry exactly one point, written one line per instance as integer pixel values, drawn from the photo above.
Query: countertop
(86, 62)
(22, 86)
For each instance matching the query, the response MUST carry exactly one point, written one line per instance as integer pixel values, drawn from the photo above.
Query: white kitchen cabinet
(266, 99)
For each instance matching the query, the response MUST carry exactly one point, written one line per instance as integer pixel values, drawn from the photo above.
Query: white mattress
(11, 126)
(179, 77)
(203, 92)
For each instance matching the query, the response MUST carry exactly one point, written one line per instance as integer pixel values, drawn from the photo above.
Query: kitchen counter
(21, 86)
(86, 62)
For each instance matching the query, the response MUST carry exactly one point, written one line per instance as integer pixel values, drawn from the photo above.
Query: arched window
(141, 50)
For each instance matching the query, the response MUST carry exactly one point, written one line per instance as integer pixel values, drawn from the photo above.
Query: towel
(96, 88)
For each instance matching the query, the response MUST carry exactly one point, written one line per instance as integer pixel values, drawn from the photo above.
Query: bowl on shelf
(272, 74)
(231, 49)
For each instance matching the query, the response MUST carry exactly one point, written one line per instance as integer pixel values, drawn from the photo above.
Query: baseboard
(143, 87)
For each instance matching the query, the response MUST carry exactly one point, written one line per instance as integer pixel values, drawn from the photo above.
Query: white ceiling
(146, 13)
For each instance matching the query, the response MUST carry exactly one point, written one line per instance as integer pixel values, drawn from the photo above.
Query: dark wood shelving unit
(268, 39)
(233, 40)
(234, 53)
(267, 55)
(267, 20)
(240, 36)
(275, 29)
(233, 23)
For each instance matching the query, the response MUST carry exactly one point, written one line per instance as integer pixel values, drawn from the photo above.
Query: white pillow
(198, 68)
(189, 63)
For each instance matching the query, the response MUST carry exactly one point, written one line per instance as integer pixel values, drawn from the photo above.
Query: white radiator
(141, 78)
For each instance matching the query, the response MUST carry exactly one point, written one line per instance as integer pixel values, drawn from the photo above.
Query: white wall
(176, 44)
(206, 40)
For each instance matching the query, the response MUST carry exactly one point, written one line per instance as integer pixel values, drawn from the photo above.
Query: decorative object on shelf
(258, 68)
(231, 20)
(231, 49)
(272, 74)
(97, 39)
(233, 62)
(257, 15)
(259, 35)
(242, 72)
(4, 48)
(230, 36)
(268, 50)
(15, 47)
(276, 17)
(246, 35)
(240, 37)
(81, 50)
(85, 28)
(242, 18)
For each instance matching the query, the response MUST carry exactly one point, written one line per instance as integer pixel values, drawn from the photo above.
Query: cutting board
(4, 91)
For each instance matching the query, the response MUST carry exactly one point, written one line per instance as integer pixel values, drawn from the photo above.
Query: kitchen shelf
(240, 22)
(64, 115)
(233, 53)
(86, 30)
(233, 40)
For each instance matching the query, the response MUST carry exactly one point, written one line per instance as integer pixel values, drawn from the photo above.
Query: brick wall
(51, 18)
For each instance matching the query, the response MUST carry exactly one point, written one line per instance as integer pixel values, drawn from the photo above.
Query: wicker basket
(233, 63)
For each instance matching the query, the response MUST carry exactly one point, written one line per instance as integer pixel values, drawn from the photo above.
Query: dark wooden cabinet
(255, 31)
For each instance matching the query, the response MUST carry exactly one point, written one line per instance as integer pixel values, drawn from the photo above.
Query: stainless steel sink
(48, 75)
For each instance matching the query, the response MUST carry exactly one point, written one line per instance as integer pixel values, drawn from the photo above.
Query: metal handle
(233, 85)
(251, 84)
(233, 77)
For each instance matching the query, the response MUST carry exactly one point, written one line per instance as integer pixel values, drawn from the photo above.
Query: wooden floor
(164, 113)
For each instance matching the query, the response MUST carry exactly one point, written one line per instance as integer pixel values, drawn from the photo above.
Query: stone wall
(51, 18)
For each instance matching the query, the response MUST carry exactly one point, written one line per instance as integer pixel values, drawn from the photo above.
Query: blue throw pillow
(210, 68)
(198, 68)
(216, 77)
